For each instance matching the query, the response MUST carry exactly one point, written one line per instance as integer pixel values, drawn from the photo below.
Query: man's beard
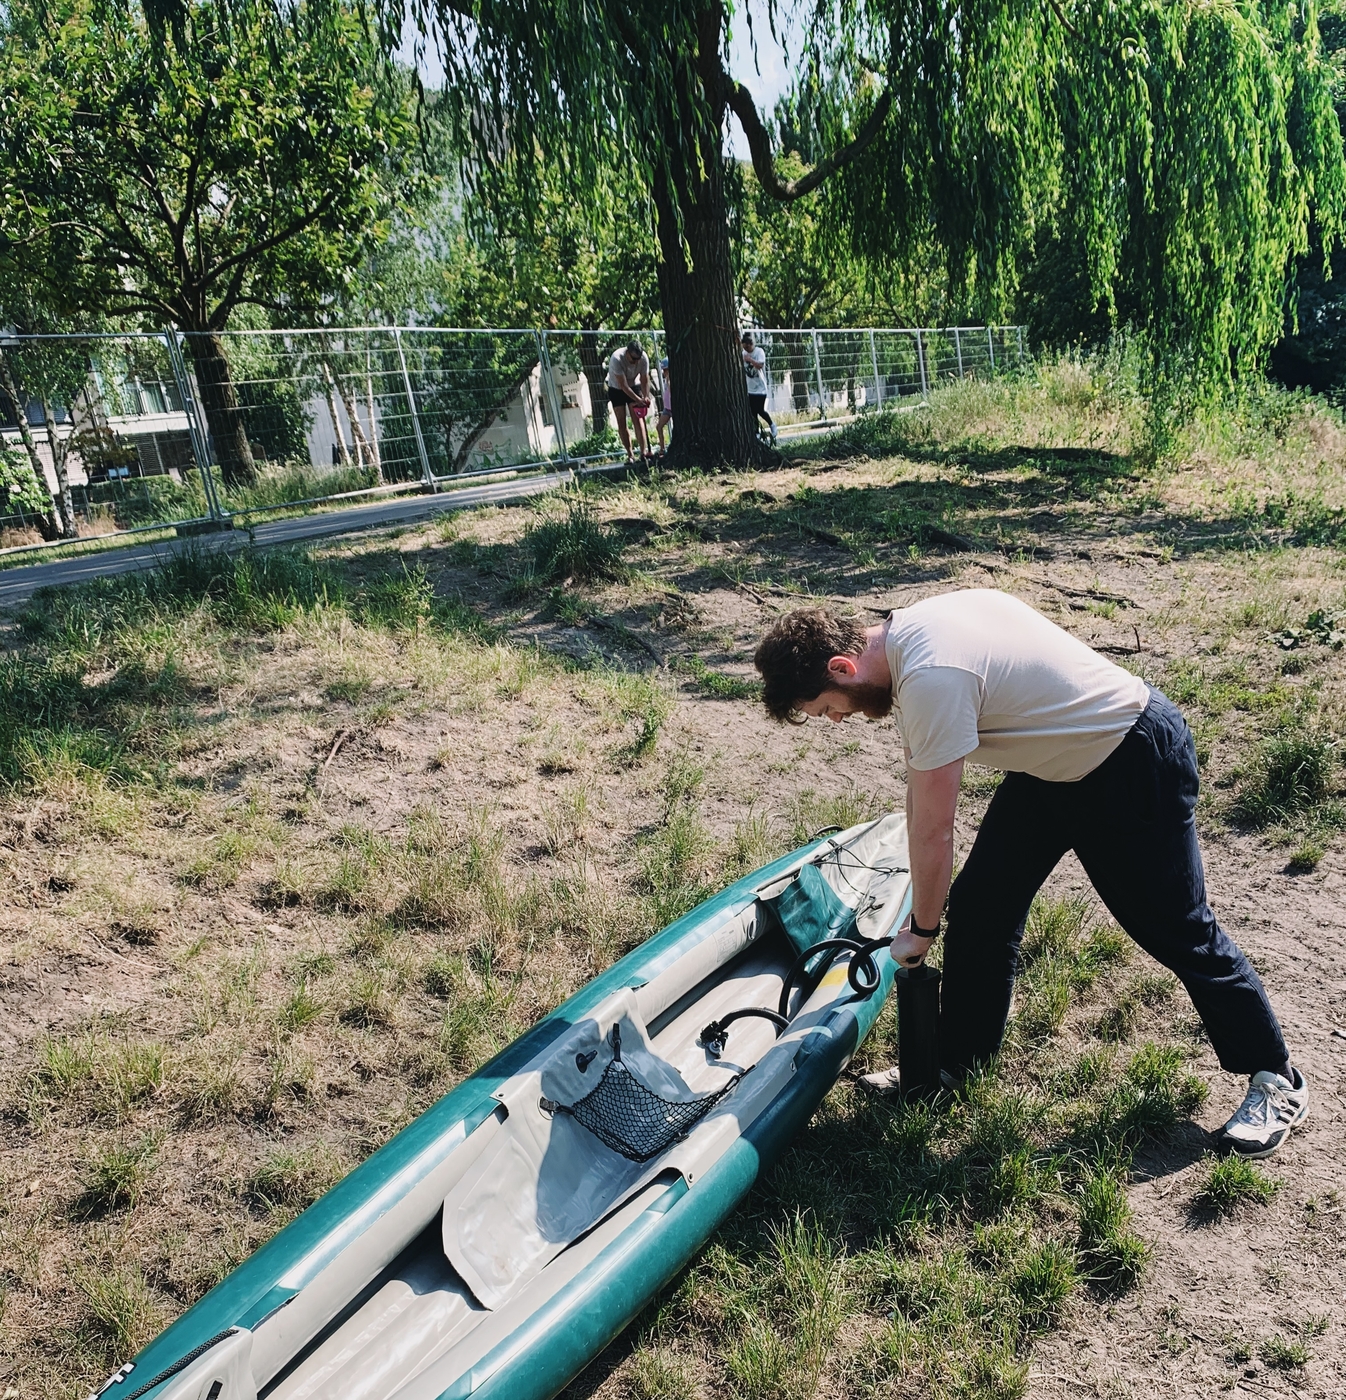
(873, 701)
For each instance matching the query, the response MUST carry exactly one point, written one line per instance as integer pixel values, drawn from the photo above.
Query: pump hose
(862, 974)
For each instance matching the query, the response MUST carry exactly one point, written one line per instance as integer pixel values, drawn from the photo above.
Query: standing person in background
(629, 385)
(666, 416)
(754, 366)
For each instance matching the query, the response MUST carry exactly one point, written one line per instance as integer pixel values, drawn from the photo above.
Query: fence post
(427, 476)
(1019, 330)
(818, 369)
(549, 387)
(874, 361)
(958, 346)
(198, 438)
(920, 358)
(990, 345)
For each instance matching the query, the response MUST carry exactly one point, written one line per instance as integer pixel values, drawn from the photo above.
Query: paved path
(17, 585)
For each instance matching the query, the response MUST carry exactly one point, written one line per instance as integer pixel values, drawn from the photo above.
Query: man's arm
(932, 798)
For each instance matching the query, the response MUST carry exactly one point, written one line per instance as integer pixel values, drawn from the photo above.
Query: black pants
(1131, 824)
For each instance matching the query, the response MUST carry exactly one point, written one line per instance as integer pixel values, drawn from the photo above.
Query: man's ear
(842, 668)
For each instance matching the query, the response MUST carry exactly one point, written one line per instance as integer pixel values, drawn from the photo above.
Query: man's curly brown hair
(793, 657)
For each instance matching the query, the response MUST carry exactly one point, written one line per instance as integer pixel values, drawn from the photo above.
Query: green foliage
(596, 444)
(1291, 774)
(280, 186)
(19, 486)
(1228, 1183)
(577, 546)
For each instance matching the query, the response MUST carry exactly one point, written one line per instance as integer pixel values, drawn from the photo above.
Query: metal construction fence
(103, 434)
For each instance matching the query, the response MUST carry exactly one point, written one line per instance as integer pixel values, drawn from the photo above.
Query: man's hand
(909, 951)
(932, 798)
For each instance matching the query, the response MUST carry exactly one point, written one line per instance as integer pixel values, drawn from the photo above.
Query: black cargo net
(630, 1118)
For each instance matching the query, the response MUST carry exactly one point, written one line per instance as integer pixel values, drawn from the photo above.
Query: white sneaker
(883, 1082)
(1272, 1106)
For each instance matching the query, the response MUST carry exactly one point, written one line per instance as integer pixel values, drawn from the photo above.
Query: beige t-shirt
(980, 675)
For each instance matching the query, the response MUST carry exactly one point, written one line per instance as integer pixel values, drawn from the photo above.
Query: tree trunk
(61, 467)
(373, 416)
(330, 387)
(224, 413)
(49, 525)
(596, 373)
(364, 454)
(710, 403)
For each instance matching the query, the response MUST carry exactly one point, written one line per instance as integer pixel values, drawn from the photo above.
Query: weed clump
(117, 1175)
(1292, 773)
(1285, 1355)
(1227, 1184)
(576, 546)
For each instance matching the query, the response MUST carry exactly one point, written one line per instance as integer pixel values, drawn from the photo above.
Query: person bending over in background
(629, 386)
(754, 366)
(1095, 761)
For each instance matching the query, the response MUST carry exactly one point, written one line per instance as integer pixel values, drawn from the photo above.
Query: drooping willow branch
(740, 102)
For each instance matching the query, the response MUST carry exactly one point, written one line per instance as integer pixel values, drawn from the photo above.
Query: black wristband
(918, 932)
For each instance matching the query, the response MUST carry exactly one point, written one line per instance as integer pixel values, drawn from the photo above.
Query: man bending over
(1095, 761)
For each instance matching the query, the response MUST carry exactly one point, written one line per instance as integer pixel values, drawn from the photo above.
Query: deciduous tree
(240, 157)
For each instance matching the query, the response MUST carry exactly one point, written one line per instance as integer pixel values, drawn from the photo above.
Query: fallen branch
(336, 748)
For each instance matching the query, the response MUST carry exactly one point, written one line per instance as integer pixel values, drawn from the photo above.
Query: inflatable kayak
(499, 1242)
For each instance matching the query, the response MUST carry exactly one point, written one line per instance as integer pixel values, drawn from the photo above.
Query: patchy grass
(295, 839)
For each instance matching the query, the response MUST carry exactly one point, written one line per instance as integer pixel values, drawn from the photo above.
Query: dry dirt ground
(367, 856)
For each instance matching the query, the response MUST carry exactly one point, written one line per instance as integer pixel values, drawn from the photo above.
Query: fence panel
(108, 433)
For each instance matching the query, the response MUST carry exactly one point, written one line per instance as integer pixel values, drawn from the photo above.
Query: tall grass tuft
(1291, 774)
(575, 546)
(1227, 1184)
(116, 1176)
(122, 1313)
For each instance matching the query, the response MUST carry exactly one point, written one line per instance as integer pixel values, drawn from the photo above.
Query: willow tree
(1186, 143)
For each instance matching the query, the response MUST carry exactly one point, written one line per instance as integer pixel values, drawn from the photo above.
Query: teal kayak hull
(570, 1329)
